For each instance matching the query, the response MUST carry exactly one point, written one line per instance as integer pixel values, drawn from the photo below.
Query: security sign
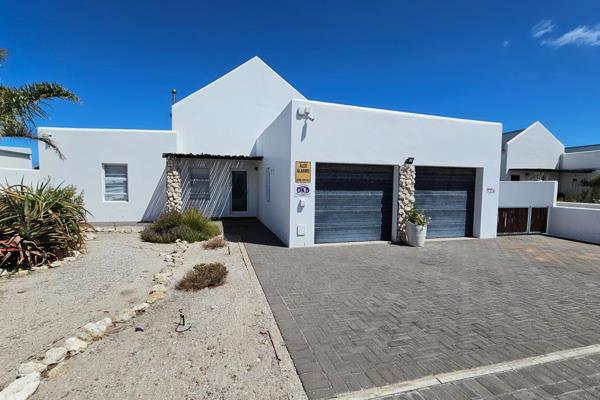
(302, 171)
(302, 190)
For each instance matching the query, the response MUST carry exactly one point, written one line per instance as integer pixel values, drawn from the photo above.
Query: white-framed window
(268, 184)
(115, 182)
(199, 183)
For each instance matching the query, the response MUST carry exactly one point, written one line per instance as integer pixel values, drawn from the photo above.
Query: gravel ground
(47, 306)
(226, 354)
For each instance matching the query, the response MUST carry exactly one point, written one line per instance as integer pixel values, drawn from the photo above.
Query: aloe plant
(39, 224)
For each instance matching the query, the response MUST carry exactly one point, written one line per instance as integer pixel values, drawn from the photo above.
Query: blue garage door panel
(447, 196)
(353, 202)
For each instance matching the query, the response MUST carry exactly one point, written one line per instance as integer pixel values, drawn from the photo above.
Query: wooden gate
(522, 220)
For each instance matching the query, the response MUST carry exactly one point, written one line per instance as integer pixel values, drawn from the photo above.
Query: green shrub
(39, 224)
(202, 276)
(417, 218)
(190, 226)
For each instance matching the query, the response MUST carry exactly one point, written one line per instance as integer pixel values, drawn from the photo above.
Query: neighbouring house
(250, 145)
(535, 154)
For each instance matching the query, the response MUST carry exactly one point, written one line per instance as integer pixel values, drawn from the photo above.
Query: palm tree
(21, 106)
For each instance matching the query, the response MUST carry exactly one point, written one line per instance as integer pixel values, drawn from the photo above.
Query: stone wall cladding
(406, 197)
(173, 185)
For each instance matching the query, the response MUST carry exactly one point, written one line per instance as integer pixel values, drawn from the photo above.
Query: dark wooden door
(512, 220)
(539, 219)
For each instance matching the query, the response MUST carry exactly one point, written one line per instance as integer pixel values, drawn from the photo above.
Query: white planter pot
(415, 234)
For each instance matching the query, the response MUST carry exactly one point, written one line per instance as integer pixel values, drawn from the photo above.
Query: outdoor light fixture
(409, 160)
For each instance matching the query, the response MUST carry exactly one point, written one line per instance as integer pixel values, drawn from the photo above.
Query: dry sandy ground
(45, 307)
(226, 354)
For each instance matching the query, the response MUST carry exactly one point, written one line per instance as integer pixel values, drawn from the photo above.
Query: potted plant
(416, 228)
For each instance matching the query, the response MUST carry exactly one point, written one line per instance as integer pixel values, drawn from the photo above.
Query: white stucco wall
(527, 194)
(534, 148)
(15, 157)
(228, 115)
(219, 203)
(575, 223)
(346, 134)
(274, 145)
(86, 150)
(581, 160)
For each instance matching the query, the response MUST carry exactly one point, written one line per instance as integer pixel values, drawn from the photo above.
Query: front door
(239, 191)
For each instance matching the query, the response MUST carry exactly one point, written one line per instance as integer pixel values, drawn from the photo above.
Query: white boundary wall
(527, 194)
(575, 223)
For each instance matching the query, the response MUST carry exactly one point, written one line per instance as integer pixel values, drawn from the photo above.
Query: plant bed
(190, 226)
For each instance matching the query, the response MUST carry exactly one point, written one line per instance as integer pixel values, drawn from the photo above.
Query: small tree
(20, 107)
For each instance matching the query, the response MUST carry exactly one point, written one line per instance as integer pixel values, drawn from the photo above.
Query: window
(199, 183)
(515, 178)
(268, 180)
(115, 182)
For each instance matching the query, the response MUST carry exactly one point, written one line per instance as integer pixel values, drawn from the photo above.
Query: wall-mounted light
(304, 112)
(409, 160)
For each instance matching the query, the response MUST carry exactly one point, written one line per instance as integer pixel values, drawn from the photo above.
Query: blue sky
(507, 61)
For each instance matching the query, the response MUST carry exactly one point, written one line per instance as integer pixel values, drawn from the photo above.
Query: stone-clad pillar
(173, 185)
(406, 197)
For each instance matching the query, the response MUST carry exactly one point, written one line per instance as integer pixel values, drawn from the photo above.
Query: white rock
(76, 253)
(55, 355)
(125, 315)
(168, 258)
(140, 307)
(55, 264)
(71, 258)
(158, 288)
(75, 345)
(89, 236)
(31, 366)
(104, 322)
(22, 388)
(94, 330)
(3, 272)
(162, 278)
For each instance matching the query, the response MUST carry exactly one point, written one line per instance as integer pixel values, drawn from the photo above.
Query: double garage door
(354, 202)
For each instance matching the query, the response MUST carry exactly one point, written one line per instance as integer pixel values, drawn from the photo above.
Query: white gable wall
(534, 148)
(227, 116)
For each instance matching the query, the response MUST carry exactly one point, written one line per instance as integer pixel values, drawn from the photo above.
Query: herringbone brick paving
(574, 379)
(360, 316)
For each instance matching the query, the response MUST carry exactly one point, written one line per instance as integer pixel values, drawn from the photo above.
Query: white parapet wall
(575, 223)
(527, 194)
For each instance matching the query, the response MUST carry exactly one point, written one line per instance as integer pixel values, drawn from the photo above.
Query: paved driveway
(360, 316)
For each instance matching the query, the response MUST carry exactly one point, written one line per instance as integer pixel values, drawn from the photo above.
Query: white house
(250, 145)
(534, 154)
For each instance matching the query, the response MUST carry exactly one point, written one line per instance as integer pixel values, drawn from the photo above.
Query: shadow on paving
(357, 317)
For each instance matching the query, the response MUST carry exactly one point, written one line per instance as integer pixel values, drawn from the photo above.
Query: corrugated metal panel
(353, 202)
(447, 196)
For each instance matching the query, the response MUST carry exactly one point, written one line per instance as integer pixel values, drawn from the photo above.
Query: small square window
(115, 182)
(199, 183)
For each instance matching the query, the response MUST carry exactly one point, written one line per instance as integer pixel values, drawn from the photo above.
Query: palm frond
(20, 130)
(3, 55)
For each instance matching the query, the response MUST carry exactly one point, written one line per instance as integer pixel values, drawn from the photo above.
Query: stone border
(5, 274)
(296, 390)
(30, 373)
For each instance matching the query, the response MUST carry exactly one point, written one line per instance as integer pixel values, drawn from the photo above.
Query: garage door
(447, 196)
(353, 202)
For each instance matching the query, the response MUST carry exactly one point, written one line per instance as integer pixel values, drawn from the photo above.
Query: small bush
(190, 226)
(203, 276)
(215, 243)
(39, 224)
